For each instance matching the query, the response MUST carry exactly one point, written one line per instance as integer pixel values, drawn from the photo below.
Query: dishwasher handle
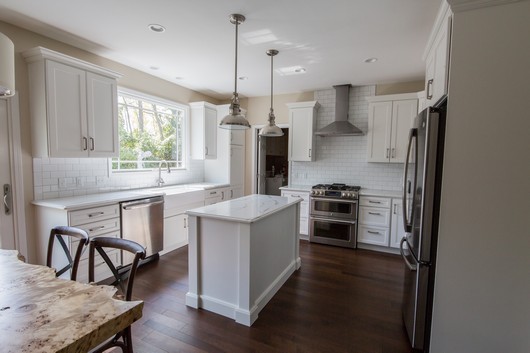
(142, 203)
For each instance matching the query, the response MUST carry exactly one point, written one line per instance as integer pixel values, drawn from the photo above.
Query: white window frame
(186, 128)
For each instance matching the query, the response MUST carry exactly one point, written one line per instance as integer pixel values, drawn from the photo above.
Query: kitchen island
(240, 253)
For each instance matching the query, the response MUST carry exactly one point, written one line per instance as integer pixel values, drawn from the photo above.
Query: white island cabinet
(240, 253)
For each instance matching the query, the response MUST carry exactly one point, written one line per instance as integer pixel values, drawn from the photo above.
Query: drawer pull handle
(374, 201)
(213, 192)
(375, 213)
(95, 214)
(372, 232)
(97, 228)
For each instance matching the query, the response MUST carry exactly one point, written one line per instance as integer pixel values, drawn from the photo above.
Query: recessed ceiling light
(156, 28)
(243, 78)
(300, 70)
(153, 67)
(179, 78)
(370, 60)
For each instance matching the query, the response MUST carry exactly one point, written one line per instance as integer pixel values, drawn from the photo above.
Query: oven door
(335, 208)
(333, 232)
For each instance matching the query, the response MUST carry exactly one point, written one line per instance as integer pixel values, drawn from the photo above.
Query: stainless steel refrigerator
(421, 204)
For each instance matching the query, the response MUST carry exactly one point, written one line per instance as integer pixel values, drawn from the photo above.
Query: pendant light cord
(235, 74)
(272, 58)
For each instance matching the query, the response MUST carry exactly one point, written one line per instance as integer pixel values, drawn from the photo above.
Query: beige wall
(258, 113)
(132, 78)
(400, 87)
(482, 289)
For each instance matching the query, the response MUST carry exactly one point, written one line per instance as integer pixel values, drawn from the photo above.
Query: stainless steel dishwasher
(143, 222)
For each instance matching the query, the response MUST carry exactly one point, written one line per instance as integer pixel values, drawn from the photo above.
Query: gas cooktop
(338, 191)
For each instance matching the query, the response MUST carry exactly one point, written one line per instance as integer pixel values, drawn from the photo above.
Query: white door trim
(255, 152)
(17, 179)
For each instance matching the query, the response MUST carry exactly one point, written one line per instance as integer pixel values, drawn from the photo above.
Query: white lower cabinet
(96, 221)
(374, 221)
(397, 231)
(380, 223)
(176, 220)
(304, 209)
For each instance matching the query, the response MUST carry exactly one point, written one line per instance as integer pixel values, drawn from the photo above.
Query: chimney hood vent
(341, 126)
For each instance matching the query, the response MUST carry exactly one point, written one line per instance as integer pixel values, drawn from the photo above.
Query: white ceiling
(331, 39)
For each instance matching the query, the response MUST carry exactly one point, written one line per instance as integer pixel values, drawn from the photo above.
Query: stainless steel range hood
(341, 126)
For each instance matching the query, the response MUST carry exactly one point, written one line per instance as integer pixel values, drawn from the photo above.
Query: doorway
(272, 163)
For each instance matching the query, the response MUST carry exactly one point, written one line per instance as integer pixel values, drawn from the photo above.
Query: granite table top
(42, 313)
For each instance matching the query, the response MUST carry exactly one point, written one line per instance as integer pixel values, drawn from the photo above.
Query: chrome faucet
(160, 180)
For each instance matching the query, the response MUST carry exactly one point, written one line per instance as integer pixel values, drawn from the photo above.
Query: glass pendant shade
(235, 120)
(7, 67)
(271, 129)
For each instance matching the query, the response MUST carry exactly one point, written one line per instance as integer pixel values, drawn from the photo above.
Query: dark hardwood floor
(341, 300)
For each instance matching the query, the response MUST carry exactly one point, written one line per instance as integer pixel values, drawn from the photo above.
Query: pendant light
(7, 66)
(271, 130)
(235, 120)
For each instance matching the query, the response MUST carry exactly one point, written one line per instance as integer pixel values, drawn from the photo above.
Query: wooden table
(41, 313)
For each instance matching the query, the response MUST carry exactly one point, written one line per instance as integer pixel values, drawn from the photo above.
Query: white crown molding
(467, 5)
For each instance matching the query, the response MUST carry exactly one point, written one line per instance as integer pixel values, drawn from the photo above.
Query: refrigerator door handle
(402, 251)
(412, 137)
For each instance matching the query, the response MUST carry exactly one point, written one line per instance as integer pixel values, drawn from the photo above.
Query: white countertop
(380, 193)
(295, 187)
(101, 199)
(245, 209)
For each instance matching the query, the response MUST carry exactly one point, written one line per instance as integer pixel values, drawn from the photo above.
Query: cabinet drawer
(374, 216)
(304, 225)
(101, 227)
(373, 235)
(374, 201)
(77, 218)
(101, 270)
(84, 256)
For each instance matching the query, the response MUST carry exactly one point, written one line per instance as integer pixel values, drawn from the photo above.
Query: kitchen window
(150, 130)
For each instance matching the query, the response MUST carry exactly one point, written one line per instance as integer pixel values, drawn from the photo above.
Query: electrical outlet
(79, 181)
(62, 183)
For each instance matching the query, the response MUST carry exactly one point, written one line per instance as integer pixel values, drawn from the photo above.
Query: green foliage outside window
(149, 132)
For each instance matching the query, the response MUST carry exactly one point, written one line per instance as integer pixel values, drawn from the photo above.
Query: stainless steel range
(333, 214)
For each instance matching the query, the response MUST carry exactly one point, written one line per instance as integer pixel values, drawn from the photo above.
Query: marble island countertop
(101, 199)
(42, 313)
(245, 209)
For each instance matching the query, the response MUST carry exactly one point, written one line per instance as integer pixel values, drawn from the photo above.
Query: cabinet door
(438, 63)
(397, 231)
(379, 128)
(66, 110)
(237, 165)
(301, 121)
(403, 113)
(237, 137)
(102, 115)
(210, 133)
(175, 231)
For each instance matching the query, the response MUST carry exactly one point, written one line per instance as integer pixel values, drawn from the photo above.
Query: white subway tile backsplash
(343, 159)
(49, 173)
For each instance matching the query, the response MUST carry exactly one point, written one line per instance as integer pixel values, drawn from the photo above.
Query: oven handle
(334, 200)
(333, 220)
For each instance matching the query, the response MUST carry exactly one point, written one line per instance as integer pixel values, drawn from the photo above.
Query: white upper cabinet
(389, 121)
(229, 166)
(302, 122)
(437, 55)
(203, 130)
(74, 106)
